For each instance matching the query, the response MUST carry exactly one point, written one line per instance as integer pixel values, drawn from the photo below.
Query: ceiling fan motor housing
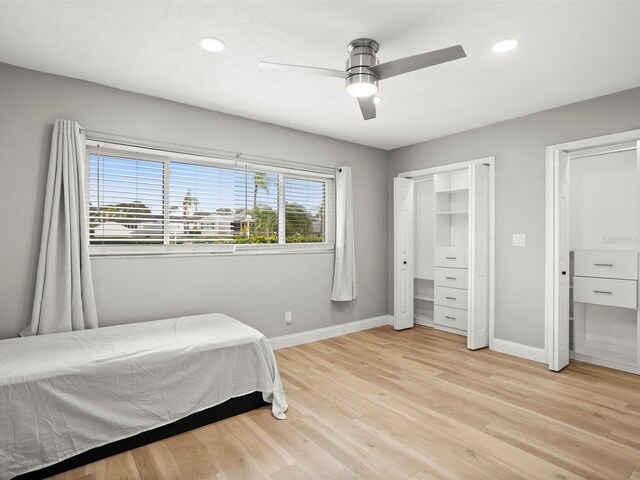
(362, 55)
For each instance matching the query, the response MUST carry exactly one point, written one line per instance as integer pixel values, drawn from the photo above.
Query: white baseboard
(416, 321)
(503, 346)
(455, 331)
(605, 363)
(328, 332)
(519, 350)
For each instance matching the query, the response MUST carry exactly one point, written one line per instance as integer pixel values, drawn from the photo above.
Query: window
(125, 201)
(140, 202)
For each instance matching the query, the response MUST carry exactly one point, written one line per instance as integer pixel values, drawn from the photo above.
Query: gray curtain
(64, 298)
(345, 287)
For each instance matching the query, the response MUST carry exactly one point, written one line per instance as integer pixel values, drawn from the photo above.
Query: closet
(442, 260)
(603, 243)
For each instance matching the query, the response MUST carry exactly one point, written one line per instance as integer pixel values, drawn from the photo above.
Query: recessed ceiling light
(505, 45)
(377, 99)
(212, 44)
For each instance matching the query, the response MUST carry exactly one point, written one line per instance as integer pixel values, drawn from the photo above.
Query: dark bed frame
(234, 406)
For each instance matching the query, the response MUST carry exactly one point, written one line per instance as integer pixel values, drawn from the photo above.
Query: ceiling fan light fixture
(362, 89)
(363, 70)
(212, 44)
(505, 45)
(362, 85)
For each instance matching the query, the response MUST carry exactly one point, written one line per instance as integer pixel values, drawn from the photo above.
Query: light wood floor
(413, 405)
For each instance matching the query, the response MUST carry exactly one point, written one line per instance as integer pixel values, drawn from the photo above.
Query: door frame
(552, 156)
(491, 162)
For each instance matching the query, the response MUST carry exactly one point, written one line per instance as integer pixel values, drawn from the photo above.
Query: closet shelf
(422, 318)
(422, 277)
(453, 212)
(423, 297)
(455, 190)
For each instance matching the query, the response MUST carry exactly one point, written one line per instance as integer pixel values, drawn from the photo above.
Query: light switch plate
(519, 240)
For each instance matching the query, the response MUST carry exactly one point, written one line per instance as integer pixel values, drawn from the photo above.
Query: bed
(67, 394)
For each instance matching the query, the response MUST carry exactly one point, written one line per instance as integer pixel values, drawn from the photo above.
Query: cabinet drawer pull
(603, 292)
(450, 258)
(450, 298)
(449, 317)
(603, 264)
(450, 278)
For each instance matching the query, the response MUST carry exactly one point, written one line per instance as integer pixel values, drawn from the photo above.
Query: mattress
(65, 393)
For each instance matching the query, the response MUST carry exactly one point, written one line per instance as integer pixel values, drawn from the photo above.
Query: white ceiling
(569, 51)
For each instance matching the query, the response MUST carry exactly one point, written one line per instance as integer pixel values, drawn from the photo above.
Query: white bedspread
(65, 393)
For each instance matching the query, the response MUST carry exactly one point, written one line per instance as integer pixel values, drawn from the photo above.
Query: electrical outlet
(519, 240)
(287, 318)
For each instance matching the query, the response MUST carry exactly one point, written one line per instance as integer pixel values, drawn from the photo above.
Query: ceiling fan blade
(368, 107)
(327, 72)
(416, 62)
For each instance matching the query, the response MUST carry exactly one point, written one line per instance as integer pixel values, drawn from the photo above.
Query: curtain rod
(204, 151)
(603, 152)
(422, 180)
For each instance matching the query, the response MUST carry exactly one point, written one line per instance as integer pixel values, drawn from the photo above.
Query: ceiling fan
(363, 71)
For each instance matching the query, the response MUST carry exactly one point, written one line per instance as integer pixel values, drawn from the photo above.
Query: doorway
(444, 251)
(590, 282)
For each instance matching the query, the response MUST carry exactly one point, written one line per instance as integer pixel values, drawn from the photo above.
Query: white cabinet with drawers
(452, 297)
(604, 264)
(451, 277)
(452, 257)
(451, 280)
(453, 318)
(605, 296)
(605, 291)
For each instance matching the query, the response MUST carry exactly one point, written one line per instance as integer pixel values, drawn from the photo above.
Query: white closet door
(560, 357)
(403, 255)
(638, 310)
(478, 328)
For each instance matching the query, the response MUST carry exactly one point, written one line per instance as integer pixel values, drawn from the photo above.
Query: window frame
(165, 157)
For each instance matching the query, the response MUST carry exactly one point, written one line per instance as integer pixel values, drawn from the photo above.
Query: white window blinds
(126, 201)
(305, 210)
(142, 201)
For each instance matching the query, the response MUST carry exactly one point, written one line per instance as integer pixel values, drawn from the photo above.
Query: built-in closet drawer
(605, 291)
(450, 317)
(598, 263)
(451, 277)
(451, 297)
(457, 257)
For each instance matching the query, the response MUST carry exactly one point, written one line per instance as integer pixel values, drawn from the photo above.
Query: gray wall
(519, 148)
(254, 289)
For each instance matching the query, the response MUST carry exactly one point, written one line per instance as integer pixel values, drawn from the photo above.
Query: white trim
(551, 156)
(552, 153)
(491, 161)
(329, 332)
(601, 141)
(492, 252)
(604, 363)
(237, 253)
(519, 350)
(98, 251)
(455, 331)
